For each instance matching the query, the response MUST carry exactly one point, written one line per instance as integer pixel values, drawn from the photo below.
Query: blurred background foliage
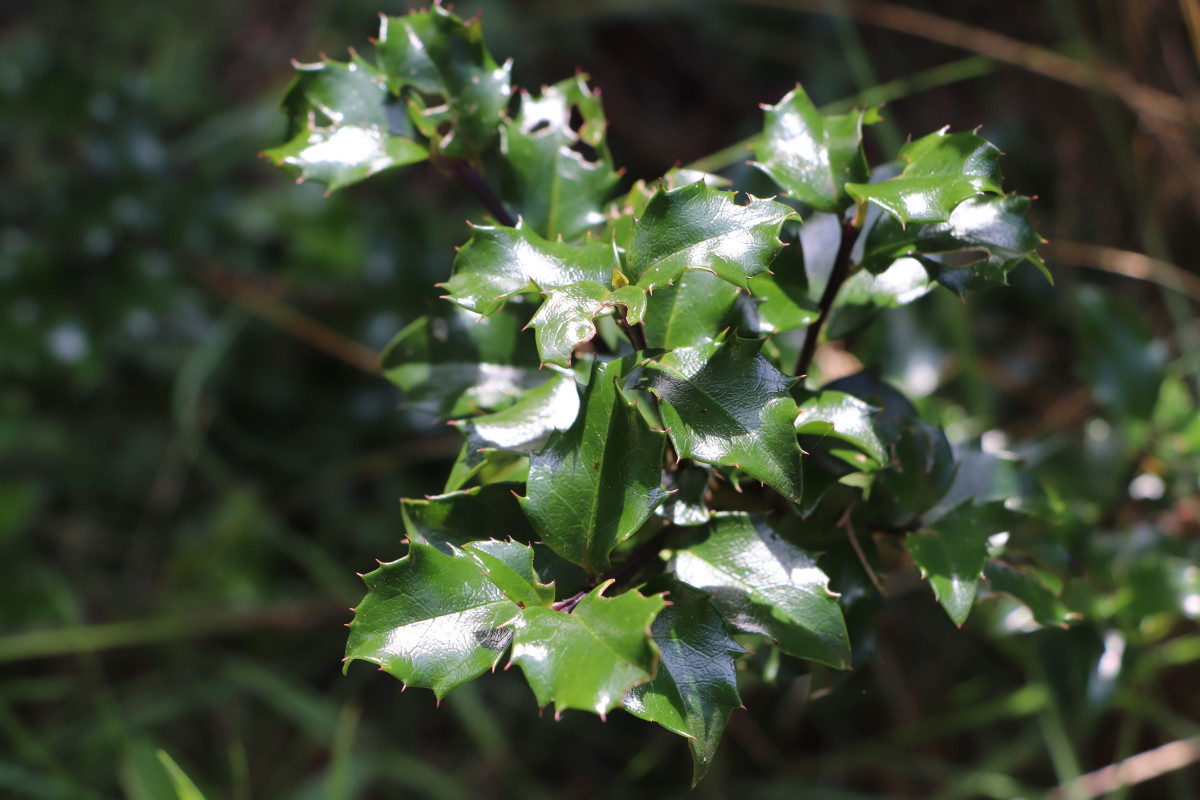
(195, 456)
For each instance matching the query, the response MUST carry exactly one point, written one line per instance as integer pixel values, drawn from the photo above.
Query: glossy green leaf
(986, 479)
(695, 689)
(590, 658)
(557, 177)
(1027, 589)
(509, 565)
(485, 465)
(692, 311)
(565, 319)
(344, 125)
(766, 585)
(951, 557)
(698, 227)
(463, 92)
(988, 236)
(826, 461)
(864, 295)
(780, 304)
(818, 240)
(687, 505)
(812, 157)
(595, 484)
(457, 518)
(941, 170)
(431, 620)
(725, 404)
(457, 363)
(499, 262)
(842, 416)
(525, 425)
(463, 517)
(624, 214)
(920, 465)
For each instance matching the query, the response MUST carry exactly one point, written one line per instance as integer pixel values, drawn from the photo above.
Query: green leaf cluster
(646, 470)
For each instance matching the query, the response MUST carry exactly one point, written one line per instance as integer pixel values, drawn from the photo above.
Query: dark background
(195, 459)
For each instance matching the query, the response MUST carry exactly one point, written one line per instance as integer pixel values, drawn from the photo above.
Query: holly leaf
(988, 236)
(624, 214)
(724, 403)
(344, 126)
(455, 519)
(920, 465)
(951, 557)
(524, 425)
(463, 93)
(596, 483)
(509, 565)
(486, 464)
(499, 262)
(844, 417)
(431, 620)
(590, 658)
(695, 688)
(812, 157)
(825, 463)
(688, 486)
(690, 312)
(780, 304)
(864, 295)
(941, 170)
(698, 227)
(764, 584)
(556, 174)
(456, 363)
(1027, 589)
(565, 319)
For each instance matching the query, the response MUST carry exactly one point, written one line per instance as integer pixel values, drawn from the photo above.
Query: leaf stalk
(841, 271)
(477, 185)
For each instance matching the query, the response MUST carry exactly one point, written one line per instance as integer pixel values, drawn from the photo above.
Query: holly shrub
(657, 489)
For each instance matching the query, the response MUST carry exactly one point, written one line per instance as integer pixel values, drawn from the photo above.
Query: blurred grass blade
(184, 788)
(339, 781)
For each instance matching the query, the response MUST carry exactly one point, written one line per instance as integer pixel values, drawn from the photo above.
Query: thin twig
(1133, 770)
(469, 177)
(1124, 262)
(845, 523)
(636, 333)
(1143, 99)
(841, 271)
(627, 570)
(271, 309)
